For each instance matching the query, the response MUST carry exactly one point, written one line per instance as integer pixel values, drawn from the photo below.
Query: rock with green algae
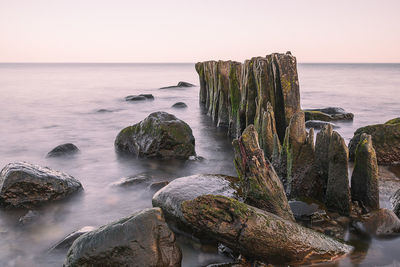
(258, 234)
(385, 140)
(328, 114)
(364, 180)
(236, 94)
(260, 185)
(160, 135)
(337, 196)
(142, 239)
(298, 161)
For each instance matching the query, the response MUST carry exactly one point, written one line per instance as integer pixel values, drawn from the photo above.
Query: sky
(190, 31)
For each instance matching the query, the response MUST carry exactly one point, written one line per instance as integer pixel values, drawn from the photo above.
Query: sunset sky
(190, 31)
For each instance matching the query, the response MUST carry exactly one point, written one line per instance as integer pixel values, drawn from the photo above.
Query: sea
(45, 105)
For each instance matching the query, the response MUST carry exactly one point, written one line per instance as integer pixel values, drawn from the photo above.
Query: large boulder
(328, 114)
(385, 140)
(260, 184)
(364, 180)
(160, 135)
(337, 196)
(257, 234)
(26, 185)
(63, 150)
(142, 239)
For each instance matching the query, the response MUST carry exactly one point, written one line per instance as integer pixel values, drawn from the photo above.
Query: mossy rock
(393, 121)
(160, 135)
(317, 115)
(385, 140)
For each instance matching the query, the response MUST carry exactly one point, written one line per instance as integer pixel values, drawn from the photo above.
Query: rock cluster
(160, 135)
(385, 139)
(237, 95)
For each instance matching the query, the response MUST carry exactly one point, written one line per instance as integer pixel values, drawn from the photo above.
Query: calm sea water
(44, 105)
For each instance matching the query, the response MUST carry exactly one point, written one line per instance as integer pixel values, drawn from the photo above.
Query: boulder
(142, 239)
(385, 140)
(138, 179)
(259, 234)
(160, 135)
(338, 191)
(135, 98)
(63, 150)
(179, 105)
(328, 114)
(381, 222)
(261, 186)
(364, 180)
(395, 201)
(69, 239)
(180, 84)
(27, 185)
(319, 124)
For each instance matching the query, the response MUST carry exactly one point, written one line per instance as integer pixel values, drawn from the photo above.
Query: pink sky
(190, 31)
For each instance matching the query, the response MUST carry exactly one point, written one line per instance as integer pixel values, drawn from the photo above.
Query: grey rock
(135, 98)
(29, 217)
(158, 185)
(395, 201)
(179, 105)
(69, 239)
(63, 150)
(160, 135)
(381, 222)
(179, 85)
(148, 96)
(328, 114)
(142, 239)
(319, 124)
(26, 185)
(138, 179)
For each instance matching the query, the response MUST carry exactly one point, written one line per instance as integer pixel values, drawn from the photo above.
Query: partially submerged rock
(319, 124)
(29, 217)
(140, 97)
(381, 222)
(137, 179)
(69, 239)
(385, 140)
(260, 184)
(26, 185)
(259, 234)
(142, 239)
(364, 180)
(338, 191)
(395, 201)
(158, 185)
(180, 84)
(63, 150)
(179, 105)
(328, 114)
(160, 135)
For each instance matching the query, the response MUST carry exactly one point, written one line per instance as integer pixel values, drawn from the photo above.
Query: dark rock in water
(297, 159)
(385, 140)
(26, 185)
(69, 239)
(135, 98)
(180, 84)
(338, 191)
(29, 217)
(148, 96)
(364, 180)
(328, 114)
(142, 239)
(160, 135)
(381, 222)
(138, 179)
(260, 184)
(236, 95)
(158, 185)
(259, 234)
(179, 105)
(301, 209)
(319, 124)
(103, 110)
(395, 201)
(63, 150)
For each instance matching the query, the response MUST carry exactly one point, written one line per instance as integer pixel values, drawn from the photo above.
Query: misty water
(44, 105)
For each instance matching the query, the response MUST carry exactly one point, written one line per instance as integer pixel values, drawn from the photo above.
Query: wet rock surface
(26, 185)
(179, 105)
(260, 184)
(69, 239)
(67, 149)
(364, 180)
(381, 222)
(138, 179)
(160, 135)
(158, 185)
(385, 140)
(395, 201)
(179, 85)
(142, 239)
(328, 114)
